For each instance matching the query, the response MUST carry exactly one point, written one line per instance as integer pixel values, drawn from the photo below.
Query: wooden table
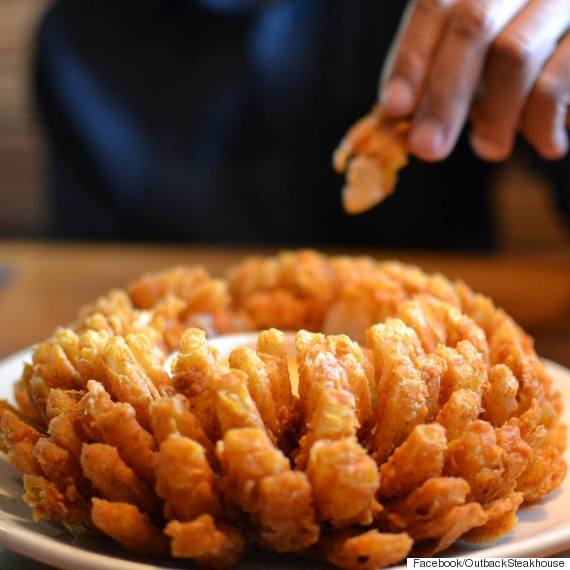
(43, 285)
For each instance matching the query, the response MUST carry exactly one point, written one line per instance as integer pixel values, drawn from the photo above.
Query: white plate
(543, 529)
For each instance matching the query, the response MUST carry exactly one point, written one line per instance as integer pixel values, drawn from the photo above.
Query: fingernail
(428, 141)
(562, 141)
(488, 150)
(397, 98)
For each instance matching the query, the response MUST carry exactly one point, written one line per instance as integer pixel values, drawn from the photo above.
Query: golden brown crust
(438, 428)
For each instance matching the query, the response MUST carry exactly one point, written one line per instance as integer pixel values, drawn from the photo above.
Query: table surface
(43, 285)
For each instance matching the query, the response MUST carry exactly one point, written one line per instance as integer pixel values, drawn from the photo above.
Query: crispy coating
(240, 476)
(172, 415)
(420, 457)
(500, 395)
(345, 480)
(289, 292)
(443, 532)
(437, 322)
(371, 153)
(271, 349)
(116, 425)
(489, 461)
(114, 480)
(185, 480)
(259, 386)
(52, 364)
(125, 524)
(211, 545)
(151, 358)
(18, 439)
(195, 372)
(431, 501)
(543, 474)
(23, 398)
(127, 380)
(331, 362)
(466, 370)
(61, 468)
(458, 412)
(447, 416)
(365, 551)
(402, 393)
(284, 512)
(234, 405)
(501, 518)
(334, 418)
(48, 502)
(258, 479)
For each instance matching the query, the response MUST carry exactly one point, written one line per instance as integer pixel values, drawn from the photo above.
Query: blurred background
(525, 212)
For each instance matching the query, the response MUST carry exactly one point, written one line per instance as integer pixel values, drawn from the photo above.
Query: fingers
(408, 63)
(455, 74)
(514, 64)
(545, 115)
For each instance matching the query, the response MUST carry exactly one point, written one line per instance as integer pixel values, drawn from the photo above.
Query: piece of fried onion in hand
(371, 154)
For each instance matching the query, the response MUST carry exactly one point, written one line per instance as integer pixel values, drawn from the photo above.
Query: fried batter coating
(151, 358)
(125, 524)
(345, 480)
(466, 369)
(116, 425)
(114, 480)
(458, 412)
(544, 473)
(24, 399)
(211, 545)
(235, 407)
(180, 298)
(64, 410)
(62, 402)
(185, 480)
(402, 393)
(331, 362)
(289, 292)
(447, 416)
(431, 501)
(284, 512)
(271, 350)
(18, 439)
(259, 385)
(437, 322)
(247, 455)
(420, 457)
(365, 551)
(371, 153)
(444, 531)
(127, 380)
(48, 502)
(61, 468)
(195, 372)
(334, 418)
(172, 415)
(489, 461)
(115, 303)
(53, 366)
(510, 346)
(257, 478)
(500, 395)
(501, 518)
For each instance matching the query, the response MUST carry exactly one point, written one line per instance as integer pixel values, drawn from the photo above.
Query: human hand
(505, 63)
